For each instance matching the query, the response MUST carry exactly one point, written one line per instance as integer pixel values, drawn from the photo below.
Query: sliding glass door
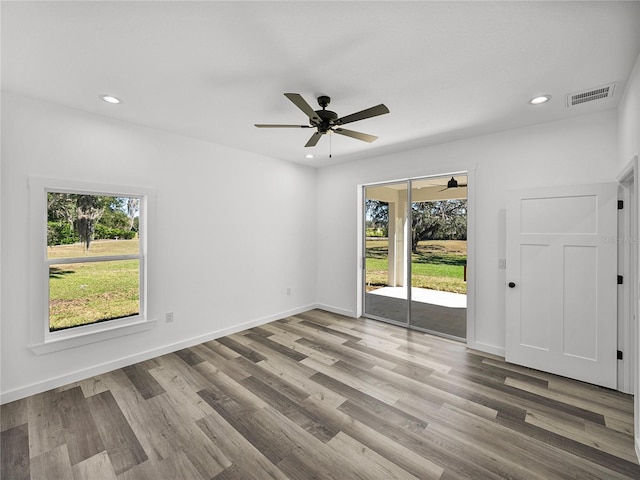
(438, 255)
(415, 254)
(386, 269)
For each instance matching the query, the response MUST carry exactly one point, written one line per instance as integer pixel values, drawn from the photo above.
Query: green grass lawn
(438, 265)
(83, 293)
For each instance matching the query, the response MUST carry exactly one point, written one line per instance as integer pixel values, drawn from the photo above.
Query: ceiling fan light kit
(325, 121)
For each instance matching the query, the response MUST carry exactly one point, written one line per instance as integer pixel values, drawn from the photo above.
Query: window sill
(91, 336)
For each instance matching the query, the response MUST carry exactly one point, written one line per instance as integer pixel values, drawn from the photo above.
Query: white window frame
(42, 340)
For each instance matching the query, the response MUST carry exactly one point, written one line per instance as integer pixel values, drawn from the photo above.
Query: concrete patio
(432, 310)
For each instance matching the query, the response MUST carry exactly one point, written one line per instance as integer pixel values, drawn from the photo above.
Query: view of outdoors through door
(416, 235)
(386, 252)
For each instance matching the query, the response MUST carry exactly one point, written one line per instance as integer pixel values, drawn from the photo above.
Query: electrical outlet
(169, 317)
(502, 263)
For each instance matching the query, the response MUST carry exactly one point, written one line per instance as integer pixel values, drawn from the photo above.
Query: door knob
(511, 284)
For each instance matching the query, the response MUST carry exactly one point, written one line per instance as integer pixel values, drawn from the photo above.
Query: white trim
(360, 250)
(626, 312)
(471, 262)
(629, 170)
(485, 347)
(338, 310)
(41, 340)
(631, 173)
(84, 338)
(85, 373)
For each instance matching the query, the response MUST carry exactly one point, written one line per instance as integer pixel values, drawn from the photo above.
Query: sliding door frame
(471, 258)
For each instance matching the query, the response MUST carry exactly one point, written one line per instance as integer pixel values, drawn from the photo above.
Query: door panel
(438, 288)
(534, 314)
(580, 301)
(561, 311)
(386, 267)
(577, 214)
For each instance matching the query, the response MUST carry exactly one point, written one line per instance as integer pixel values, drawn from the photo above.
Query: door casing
(628, 321)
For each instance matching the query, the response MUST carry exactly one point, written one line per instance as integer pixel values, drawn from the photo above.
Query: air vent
(590, 95)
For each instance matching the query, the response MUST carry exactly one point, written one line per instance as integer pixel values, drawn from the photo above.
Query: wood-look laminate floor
(320, 396)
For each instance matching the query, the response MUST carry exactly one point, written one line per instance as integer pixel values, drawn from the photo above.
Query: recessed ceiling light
(540, 99)
(110, 99)
(308, 155)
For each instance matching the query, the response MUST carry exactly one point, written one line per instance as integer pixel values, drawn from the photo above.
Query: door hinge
(620, 279)
(620, 204)
(619, 354)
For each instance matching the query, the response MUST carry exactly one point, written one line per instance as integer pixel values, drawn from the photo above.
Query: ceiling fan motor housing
(327, 118)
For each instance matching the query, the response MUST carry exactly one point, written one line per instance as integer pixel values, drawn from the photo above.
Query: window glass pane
(439, 255)
(84, 293)
(386, 252)
(91, 225)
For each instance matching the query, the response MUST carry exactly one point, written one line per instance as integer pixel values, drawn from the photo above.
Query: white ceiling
(210, 70)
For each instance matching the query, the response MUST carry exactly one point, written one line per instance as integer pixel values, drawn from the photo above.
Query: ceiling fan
(327, 121)
(453, 183)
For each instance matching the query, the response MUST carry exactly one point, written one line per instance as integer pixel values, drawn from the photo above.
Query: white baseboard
(78, 375)
(484, 347)
(638, 447)
(338, 310)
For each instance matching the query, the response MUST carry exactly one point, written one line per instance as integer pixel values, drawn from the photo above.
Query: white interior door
(561, 299)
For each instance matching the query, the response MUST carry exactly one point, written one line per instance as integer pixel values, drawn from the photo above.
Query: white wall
(579, 150)
(234, 230)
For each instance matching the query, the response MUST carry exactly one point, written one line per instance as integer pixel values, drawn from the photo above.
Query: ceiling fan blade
(368, 113)
(302, 104)
(314, 139)
(272, 125)
(459, 185)
(360, 136)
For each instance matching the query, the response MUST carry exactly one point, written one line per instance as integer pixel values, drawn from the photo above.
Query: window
(93, 258)
(90, 253)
